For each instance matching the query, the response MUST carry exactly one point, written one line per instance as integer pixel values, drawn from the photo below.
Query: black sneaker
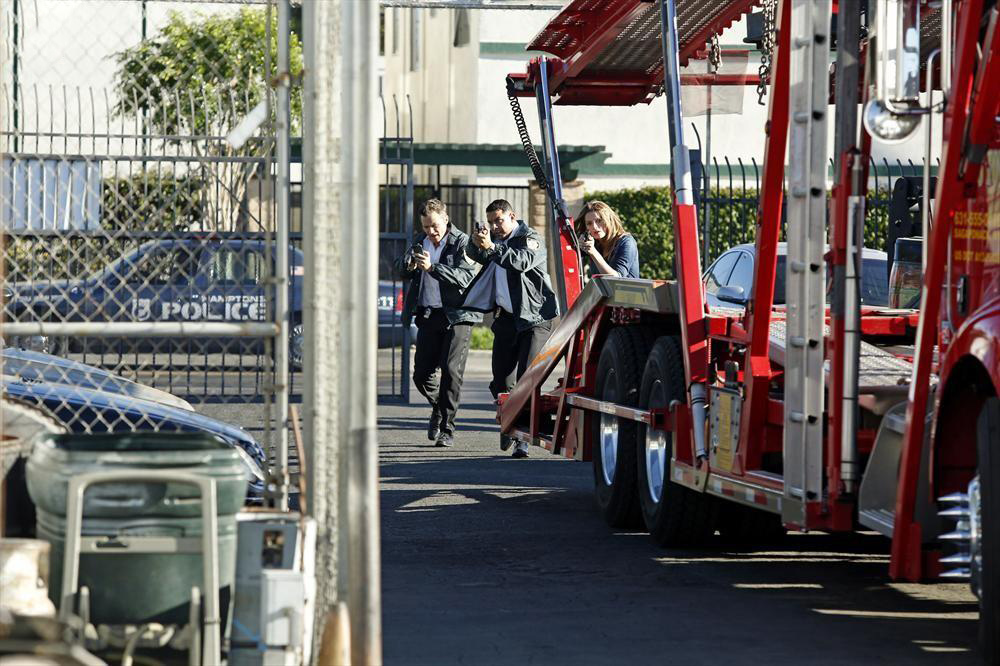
(506, 441)
(444, 441)
(434, 426)
(521, 451)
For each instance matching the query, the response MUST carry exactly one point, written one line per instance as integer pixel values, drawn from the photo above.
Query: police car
(187, 279)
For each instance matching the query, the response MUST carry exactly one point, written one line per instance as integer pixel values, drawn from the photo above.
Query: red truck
(816, 415)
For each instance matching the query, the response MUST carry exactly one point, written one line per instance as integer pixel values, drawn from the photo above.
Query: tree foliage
(200, 74)
(191, 83)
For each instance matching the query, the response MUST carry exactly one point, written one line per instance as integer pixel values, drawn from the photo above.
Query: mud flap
(877, 500)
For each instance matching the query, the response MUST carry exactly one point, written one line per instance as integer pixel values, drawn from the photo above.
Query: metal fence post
(360, 581)
(320, 207)
(341, 196)
(281, 272)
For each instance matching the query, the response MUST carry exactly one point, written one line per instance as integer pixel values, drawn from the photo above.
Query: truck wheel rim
(609, 447)
(656, 460)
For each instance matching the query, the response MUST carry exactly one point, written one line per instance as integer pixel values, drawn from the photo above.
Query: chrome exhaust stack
(893, 113)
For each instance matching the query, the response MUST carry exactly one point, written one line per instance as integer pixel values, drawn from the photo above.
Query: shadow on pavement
(491, 560)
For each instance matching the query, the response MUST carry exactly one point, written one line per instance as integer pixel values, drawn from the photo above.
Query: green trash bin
(139, 587)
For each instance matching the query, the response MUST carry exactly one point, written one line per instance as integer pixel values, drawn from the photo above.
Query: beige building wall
(432, 56)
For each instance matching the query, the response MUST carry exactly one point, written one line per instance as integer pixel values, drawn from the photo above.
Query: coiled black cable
(529, 148)
(539, 172)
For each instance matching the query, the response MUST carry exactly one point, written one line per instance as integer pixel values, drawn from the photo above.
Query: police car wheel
(295, 344)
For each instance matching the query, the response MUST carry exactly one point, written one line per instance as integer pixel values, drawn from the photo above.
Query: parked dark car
(187, 280)
(32, 366)
(390, 310)
(729, 280)
(82, 409)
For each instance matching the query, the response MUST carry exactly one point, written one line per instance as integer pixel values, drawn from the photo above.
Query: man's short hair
(435, 206)
(501, 205)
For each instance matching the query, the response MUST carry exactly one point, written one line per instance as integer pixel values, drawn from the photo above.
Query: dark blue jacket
(454, 271)
(624, 258)
(522, 256)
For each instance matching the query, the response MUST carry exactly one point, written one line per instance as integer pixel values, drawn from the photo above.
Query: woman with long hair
(611, 249)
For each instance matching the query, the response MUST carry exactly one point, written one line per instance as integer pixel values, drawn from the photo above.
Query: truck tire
(613, 440)
(673, 514)
(988, 449)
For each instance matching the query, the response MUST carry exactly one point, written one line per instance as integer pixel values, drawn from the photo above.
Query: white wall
(441, 87)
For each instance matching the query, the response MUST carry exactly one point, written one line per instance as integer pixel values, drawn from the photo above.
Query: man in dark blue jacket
(514, 284)
(438, 275)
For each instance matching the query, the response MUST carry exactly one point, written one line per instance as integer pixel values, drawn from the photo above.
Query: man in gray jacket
(514, 284)
(438, 275)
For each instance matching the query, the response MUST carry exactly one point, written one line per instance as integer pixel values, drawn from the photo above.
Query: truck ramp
(650, 295)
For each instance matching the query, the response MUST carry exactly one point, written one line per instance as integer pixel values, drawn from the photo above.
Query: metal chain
(766, 48)
(714, 54)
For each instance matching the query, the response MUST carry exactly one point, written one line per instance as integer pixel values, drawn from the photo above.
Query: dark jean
(439, 363)
(514, 350)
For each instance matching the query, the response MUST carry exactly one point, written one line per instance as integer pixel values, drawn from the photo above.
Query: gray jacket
(453, 271)
(522, 256)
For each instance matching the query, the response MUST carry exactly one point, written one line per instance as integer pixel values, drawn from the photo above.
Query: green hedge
(647, 214)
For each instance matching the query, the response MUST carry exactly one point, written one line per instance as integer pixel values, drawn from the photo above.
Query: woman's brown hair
(612, 223)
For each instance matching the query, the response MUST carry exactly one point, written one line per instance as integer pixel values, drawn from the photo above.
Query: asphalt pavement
(491, 560)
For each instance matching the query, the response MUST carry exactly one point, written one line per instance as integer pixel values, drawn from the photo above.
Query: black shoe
(434, 427)
(521, 451)
(444, 441)
(506, 441)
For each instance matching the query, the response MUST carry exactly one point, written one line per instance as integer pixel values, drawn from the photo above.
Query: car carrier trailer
(813, 416)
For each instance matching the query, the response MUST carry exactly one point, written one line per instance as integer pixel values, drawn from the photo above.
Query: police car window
(167, 265)
(719, 274)
(253, 267)
(231, 266)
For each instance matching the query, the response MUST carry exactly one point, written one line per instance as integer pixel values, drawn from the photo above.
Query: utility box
(275, 589)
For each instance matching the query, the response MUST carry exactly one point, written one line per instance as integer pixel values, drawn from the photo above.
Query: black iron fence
(729, 197)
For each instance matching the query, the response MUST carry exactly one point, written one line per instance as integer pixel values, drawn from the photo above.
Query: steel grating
(878, 369)
(930, 32)
(609, 42)
(606, 43)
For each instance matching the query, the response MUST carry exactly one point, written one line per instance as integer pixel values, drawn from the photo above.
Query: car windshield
(874, 282)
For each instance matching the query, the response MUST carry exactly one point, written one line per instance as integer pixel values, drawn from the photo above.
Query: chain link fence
(138, 210)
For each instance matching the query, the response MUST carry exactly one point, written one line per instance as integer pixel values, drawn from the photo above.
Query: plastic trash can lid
(140, 441)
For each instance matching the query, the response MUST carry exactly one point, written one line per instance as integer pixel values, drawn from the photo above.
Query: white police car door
(234, 275)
